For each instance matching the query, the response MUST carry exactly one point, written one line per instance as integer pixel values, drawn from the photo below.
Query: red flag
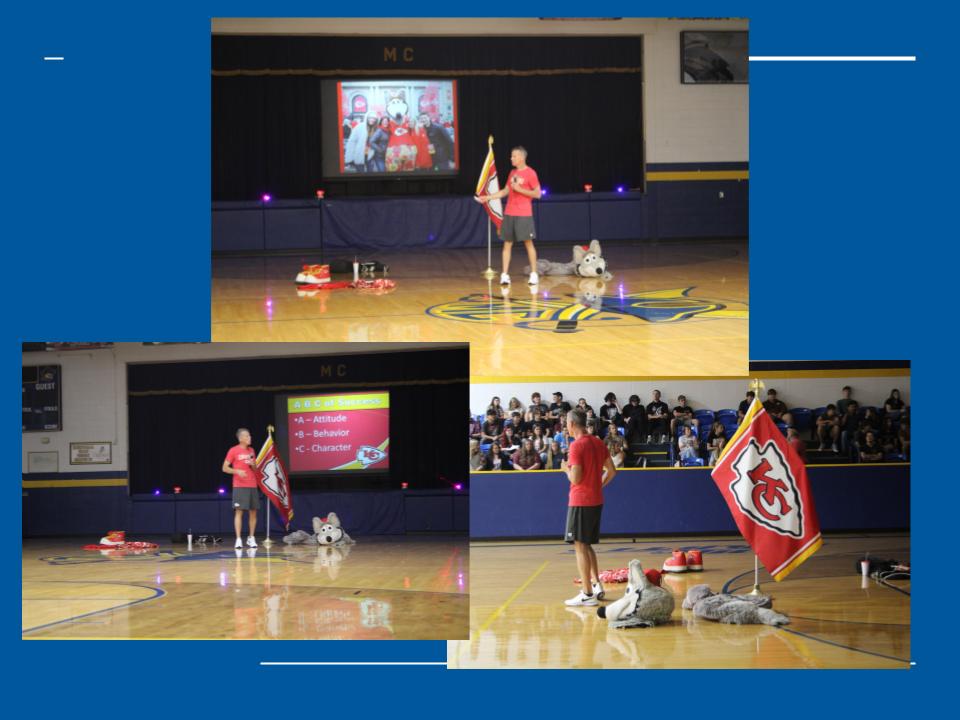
(765, 485)
(489, 185)
(272, 479)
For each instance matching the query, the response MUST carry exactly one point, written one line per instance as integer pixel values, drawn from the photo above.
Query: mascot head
(643, 605)
(328, 529)
(590, 262)
(397, 106)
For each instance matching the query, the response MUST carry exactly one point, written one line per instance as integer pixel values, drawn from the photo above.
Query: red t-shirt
(517, 204)
(589, 454)
(243, 458)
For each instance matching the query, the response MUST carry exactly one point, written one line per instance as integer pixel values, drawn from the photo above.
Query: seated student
(634, 420)
(683, 415)
(903, 437)
(610, 411)
(476, 457)
(562, 437)
(495, 408)
(828, 428)
(508, 441)
(558, 407)
(657, 418)
(889, 440)
(582, 404)
(614, 445)
(870, 422)
(849, 423)
(536, 404)
(535, 421)
(777, 409)
(893, 405)
(793, 437)
(491, 428)
(526, 458)
(515, 420)
(496, 459)
(715, 441)
(687, 444)
(745, 405)
(843, 402)
(476, 429)
(555, 456)
(515, 407)
(540, 439)
(593, 427)
(870, 450)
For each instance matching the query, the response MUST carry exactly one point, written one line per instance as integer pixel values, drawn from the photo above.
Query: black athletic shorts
(246, 498)
(517, 228)
(583, 524)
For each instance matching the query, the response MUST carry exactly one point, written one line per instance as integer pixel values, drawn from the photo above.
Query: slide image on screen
(397, 127)
(348, 431)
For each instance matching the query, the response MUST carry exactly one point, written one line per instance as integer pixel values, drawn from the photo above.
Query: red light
(319, 194)
(176, 489)
(588, 188)
(404, 486)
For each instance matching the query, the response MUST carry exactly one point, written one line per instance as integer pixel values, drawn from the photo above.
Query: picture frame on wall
(714, 57)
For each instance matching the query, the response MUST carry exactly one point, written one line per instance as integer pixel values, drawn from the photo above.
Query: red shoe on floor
(694, 561)
(314, 274)
(676, 563)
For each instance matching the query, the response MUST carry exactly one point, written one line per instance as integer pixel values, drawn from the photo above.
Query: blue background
(106, 192)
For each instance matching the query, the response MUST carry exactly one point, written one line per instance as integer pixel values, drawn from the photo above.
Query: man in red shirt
(523, 187)
(589, 469)
(240, 461)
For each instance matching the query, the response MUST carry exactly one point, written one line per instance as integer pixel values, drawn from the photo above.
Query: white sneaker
(251, 541)
(534, 278)
(580, 600)
(598, 592)
(834, 448)
(504, 279)
(238, 544)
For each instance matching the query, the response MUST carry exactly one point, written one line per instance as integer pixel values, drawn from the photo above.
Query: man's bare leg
(507, 252)
(594, 569)
(583, 565)
(531, 254)
(253, 523)
(238, 521)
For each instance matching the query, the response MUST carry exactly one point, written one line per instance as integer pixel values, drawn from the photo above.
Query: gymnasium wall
(870, 387)
(683, 123)
(679, 501)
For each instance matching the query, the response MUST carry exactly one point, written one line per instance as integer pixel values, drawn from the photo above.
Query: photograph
(533, 186)
(681, 523)
(254, 491)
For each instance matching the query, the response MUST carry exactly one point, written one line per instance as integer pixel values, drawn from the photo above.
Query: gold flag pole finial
(756, 385)
(270, 429)
(490, 140)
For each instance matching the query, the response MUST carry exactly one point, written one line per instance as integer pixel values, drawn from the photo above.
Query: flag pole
(267, 543)
(489, 273)
(756, 385)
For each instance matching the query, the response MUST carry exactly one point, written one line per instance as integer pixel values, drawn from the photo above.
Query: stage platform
(837, 618)
(382, 588)
(671, 309)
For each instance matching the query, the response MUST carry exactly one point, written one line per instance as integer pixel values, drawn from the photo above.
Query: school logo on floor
(547, 312)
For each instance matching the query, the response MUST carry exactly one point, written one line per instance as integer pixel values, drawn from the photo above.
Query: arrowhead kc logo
(368, 455)
(272, 482)
(766, 490)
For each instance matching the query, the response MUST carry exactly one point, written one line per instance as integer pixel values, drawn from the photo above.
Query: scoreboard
(41, 398)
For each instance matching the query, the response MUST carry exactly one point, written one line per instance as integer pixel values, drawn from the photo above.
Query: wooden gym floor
(672, 309)
(379, 589)
(838, 619)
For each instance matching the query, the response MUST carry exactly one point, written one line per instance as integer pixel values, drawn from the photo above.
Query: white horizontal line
(351, 663)
(52, 57)
(834, 58)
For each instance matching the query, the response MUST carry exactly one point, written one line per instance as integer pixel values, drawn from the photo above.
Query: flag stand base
(489, 273)
(267, 543)
(755, 591)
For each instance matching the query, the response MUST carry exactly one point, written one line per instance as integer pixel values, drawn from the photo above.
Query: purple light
(458, 486)
(544, 192)
(156, 492)
(619, 188)
(222, 491)
(266, 197)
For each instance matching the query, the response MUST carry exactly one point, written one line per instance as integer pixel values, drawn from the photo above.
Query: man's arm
(230, 471)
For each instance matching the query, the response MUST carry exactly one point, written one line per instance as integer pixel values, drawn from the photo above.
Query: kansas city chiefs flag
(488, 185)
(272, 479)
(765, 485)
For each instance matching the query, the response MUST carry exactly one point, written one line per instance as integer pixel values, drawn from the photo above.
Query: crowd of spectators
(534, 436)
